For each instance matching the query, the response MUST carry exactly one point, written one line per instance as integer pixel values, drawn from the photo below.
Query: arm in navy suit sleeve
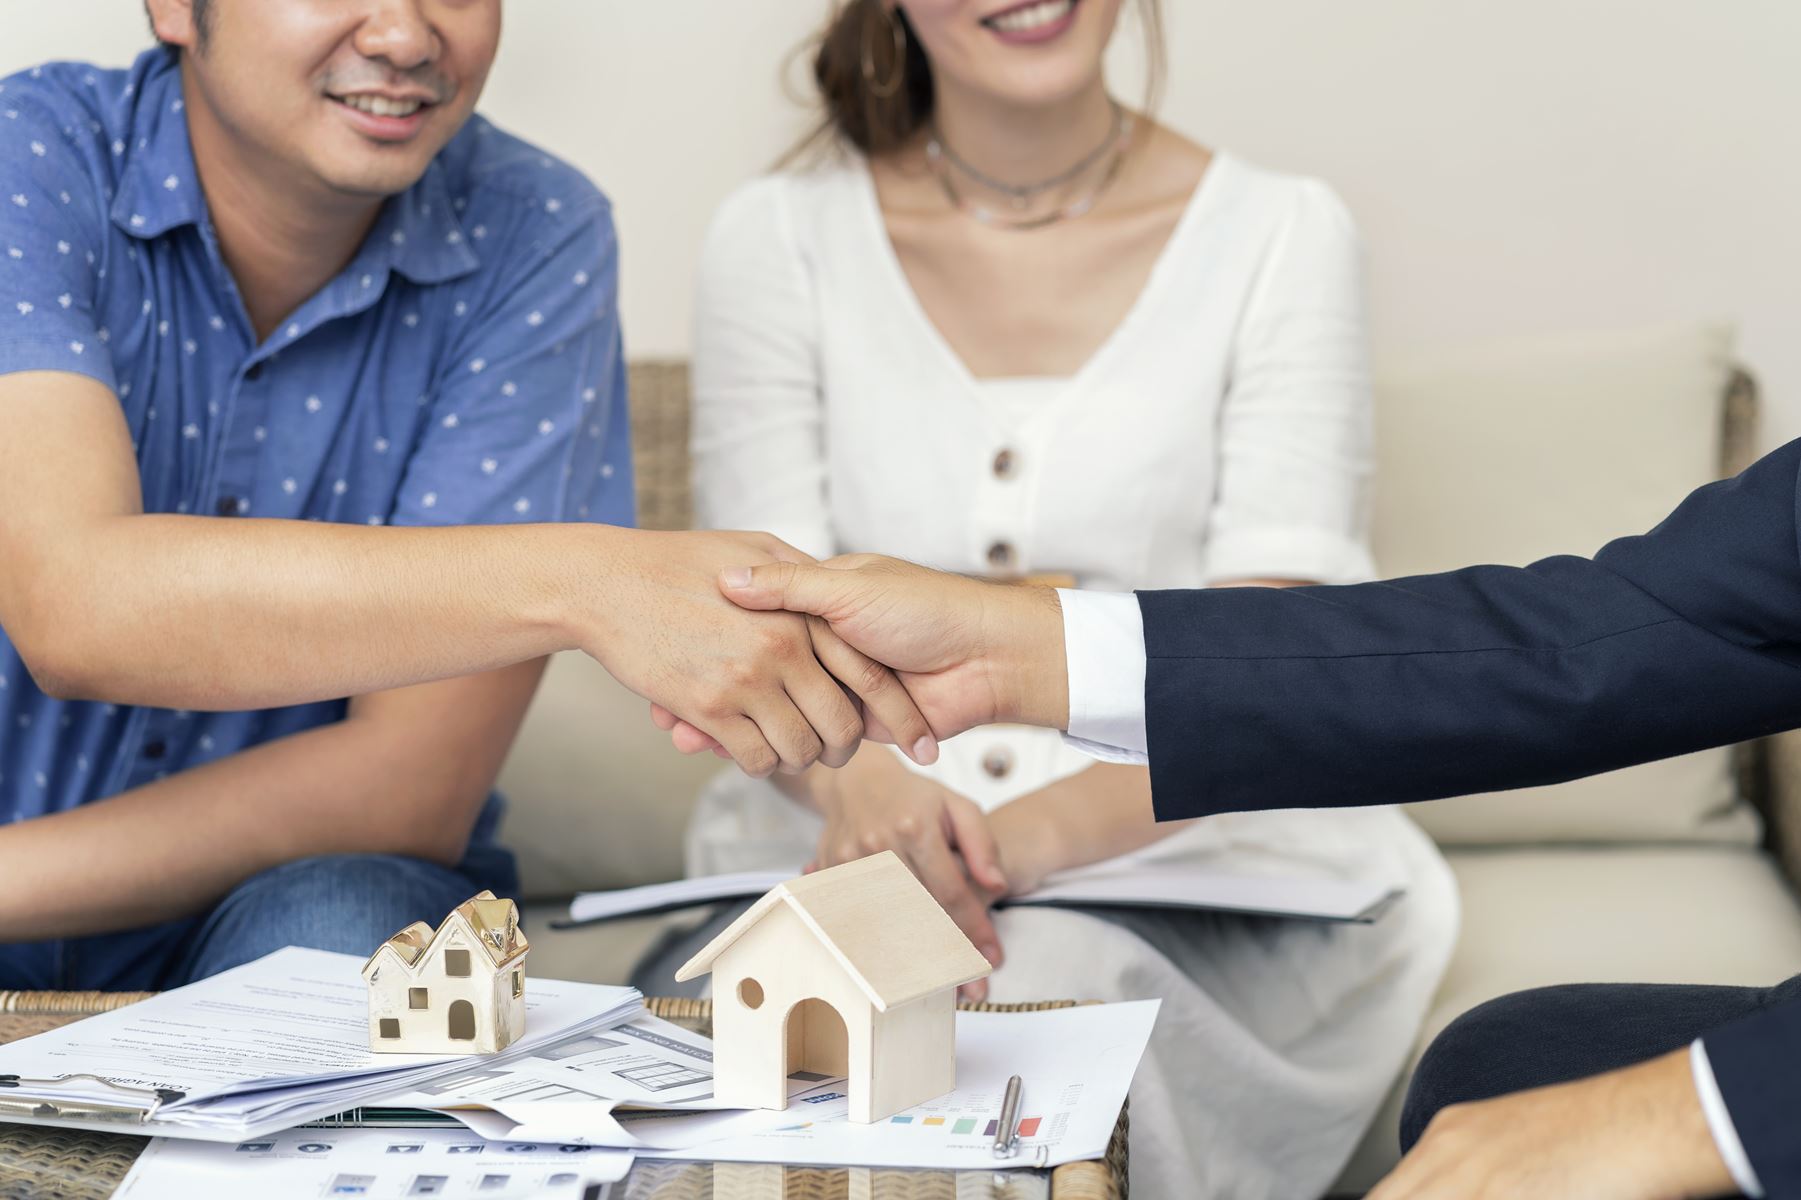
(1496, 677)
(1486, 678)
(1754, 1064)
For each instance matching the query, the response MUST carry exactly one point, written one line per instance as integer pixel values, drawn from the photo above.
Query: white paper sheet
(1132, 885)
(1076, 1065)
(1143, 885)
(272, 1043)
(645, 1061)
(376, 1163)
(644, 1130)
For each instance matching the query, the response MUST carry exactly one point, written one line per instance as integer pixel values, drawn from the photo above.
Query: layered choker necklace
(1102, 162)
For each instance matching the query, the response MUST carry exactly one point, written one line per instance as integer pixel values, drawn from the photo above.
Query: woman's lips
(1029, 24)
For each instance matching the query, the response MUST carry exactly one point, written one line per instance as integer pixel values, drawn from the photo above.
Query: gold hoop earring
(888, 87)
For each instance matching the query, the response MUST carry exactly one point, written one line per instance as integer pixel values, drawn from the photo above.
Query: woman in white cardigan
(1014, 329)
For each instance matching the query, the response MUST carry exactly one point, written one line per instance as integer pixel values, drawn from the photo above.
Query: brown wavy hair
(876, 124)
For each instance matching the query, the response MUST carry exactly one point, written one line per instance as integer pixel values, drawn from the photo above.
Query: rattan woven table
(44, 1164)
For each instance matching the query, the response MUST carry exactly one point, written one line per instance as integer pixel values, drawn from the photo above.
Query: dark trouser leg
(1558, 1034)
(347, 902)
(28, 966)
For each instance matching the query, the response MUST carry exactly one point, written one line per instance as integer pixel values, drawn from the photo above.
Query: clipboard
(17, 1104)
(1130, 886)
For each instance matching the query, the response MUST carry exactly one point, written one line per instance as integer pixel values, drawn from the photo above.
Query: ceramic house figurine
(849, 971)
(458, 990)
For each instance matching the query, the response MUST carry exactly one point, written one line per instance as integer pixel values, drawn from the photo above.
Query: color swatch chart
(1028, 1126)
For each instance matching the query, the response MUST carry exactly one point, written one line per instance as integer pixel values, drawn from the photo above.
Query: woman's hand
(1031, 845)
(877, 804)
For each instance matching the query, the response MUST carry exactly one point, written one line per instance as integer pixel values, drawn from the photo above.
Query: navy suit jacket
(1501, 677)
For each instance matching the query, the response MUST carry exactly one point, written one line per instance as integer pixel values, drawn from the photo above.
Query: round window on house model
(750, 992)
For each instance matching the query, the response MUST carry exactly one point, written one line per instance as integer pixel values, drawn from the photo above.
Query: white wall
(1517, 167)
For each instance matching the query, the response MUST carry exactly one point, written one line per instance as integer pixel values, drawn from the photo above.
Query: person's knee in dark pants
(1558, 1034)
(1463, 1063)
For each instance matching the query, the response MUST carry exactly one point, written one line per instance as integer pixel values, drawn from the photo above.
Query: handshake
(791, 662)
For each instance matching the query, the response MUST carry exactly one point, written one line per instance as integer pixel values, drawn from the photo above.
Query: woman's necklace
(1113, 148)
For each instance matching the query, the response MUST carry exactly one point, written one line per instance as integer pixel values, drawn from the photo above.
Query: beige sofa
(1667, 872)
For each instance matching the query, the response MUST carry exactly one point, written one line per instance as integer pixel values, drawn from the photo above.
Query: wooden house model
(849, 971)
(459, 989)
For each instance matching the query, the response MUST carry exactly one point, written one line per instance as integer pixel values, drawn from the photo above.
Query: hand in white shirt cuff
(1719, 1123)
(1103, 639)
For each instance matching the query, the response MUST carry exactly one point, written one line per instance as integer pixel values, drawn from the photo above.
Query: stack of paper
(262, 1047)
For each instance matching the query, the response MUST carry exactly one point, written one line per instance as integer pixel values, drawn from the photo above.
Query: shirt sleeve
(1295, 423)
(759, 420)
(1719, 1123)
(529, 420)
(51, 237)
(1103, 639)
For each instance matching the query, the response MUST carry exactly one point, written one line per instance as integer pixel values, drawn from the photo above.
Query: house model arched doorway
(462, 1021)
(816, 1038)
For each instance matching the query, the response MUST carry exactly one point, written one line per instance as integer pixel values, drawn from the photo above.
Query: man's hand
(1635, 1134)
(752, 683)
(969, 653)
(877, 804)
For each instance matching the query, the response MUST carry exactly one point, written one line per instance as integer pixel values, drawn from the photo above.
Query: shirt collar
(417, 234)
(158, 188)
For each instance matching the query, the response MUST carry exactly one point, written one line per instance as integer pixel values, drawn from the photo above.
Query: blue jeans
(346, 902)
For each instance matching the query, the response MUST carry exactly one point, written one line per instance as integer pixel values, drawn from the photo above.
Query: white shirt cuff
(1103, 639)
(1719, 1122)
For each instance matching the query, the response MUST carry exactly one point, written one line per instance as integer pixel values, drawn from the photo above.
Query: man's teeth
(1022, 19)
(381, 106)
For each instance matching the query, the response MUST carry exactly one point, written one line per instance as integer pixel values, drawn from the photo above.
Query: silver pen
(1006, 1134)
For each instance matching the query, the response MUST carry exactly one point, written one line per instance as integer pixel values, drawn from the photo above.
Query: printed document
(273, 1043)
(1076, 1064)
(308, 1163)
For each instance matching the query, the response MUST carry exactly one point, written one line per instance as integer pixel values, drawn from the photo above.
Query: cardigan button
(998, 762)
(1000, 555)
(1004, 463)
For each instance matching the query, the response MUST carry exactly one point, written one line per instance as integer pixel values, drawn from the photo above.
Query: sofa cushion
(1512, 452)
(1647, 914)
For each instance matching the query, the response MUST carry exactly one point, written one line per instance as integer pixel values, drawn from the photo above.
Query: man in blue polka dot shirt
(287, 335)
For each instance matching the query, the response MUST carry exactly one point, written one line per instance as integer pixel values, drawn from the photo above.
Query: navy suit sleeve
(1753, 1063)
(1487, 678)
(1496, 677)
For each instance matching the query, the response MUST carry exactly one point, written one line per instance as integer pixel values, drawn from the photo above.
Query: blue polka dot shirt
(465, 368)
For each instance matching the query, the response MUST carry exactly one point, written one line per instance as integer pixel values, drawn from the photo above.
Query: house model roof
(492, 923)
(878, 921)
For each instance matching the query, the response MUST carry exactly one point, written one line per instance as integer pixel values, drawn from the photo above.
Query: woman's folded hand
(877, 804)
